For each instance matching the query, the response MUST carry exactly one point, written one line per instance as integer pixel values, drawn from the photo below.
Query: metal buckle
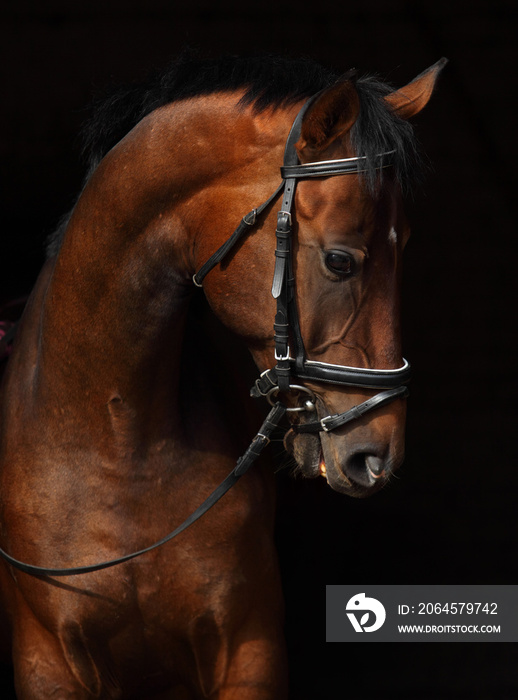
(288, 214)
(253, 214)
(273, 385)
(281, 358)
(264, 437)
(324, 427)
(309, 405)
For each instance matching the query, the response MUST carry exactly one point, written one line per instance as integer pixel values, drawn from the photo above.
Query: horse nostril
(365, 468)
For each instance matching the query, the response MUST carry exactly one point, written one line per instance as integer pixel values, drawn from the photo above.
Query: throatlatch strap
(243, 465)
(244, 225)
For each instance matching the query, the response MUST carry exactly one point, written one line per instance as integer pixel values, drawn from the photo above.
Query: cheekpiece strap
(283, 281)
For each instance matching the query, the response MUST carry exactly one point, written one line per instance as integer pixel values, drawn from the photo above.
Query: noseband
(290, 369)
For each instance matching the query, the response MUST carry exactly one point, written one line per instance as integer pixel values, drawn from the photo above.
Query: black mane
(268, 81)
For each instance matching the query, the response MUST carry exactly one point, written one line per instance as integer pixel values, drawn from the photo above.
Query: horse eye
(340, 263)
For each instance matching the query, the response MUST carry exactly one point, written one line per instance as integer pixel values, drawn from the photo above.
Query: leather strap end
(278, 277)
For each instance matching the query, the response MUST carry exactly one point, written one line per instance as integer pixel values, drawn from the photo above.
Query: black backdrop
(449, 517)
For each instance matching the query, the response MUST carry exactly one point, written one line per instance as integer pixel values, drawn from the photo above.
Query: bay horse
(122, 411)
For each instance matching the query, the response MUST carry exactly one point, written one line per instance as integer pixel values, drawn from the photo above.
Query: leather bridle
(289, 370)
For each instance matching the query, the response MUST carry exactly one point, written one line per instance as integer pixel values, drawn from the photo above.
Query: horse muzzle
(360, 453)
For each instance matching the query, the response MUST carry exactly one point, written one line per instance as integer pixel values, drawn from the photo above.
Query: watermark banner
(382, 613)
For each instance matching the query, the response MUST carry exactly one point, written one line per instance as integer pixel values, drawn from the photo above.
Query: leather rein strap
(286, 328)
(243, 465)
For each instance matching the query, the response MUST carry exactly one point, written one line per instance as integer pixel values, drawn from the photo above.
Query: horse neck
(117, 301)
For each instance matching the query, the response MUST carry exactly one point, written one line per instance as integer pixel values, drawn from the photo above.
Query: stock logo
(362, 610)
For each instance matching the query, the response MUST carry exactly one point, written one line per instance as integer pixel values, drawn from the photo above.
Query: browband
(340, 166)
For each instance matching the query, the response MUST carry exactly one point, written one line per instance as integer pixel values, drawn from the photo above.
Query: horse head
(348, 235)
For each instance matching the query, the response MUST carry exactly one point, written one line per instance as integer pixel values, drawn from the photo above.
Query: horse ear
(409, 100)
(331, 115)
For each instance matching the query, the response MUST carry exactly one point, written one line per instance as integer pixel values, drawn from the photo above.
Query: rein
(243, 465)
(286, 326)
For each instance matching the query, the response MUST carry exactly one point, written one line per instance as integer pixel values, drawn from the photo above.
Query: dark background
(449, 517)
